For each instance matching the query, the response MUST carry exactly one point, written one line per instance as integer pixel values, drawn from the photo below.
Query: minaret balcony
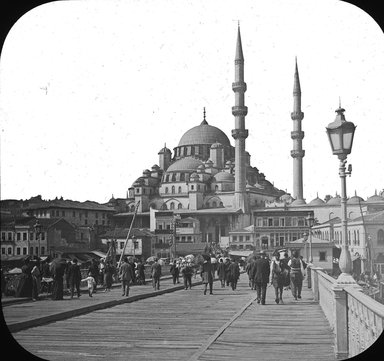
(297, 115)
(297, 153)
(240, 110)
(240, 133)
(297, 134)
(239, 86)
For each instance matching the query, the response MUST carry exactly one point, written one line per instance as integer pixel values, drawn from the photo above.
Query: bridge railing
(356, 319)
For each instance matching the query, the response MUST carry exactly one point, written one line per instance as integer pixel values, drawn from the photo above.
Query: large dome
(187, 164)
(204, 134)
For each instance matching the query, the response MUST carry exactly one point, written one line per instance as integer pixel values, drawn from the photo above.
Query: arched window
(173, 177)
(172, 206)
(358, 237)
(354, 238)
(132, 208)
(182, 177)
(166, 190)
(179, 206)
(330, 215)
(214, 204)
(216, 187)
(179, 190)
(221, 204)
(173, 189)
(380, 237)
(167, 178)
(164, 207)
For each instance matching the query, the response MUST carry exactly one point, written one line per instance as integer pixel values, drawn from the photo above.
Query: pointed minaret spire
(204, 120)
(297, 136)
(239, 49)
(239, 111)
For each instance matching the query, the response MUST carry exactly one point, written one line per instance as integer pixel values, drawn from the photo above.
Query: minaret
(240, 133)
(297, 136)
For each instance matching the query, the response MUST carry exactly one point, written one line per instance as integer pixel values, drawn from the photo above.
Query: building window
(73, 214)
(9, 250)
(214, 204)
(36, 250)
(86, 221)
(166, 190)
(247, 238)
(192, 187)
(31, 251)
(282, 222)
(173, 189)
(121, 245)
(25, 236)
(259, 222)
(31, 236)
(43, 250)
(2, 250)
(234, 238)
(24, 251)
(380, 237)
(276, 222)
(322, 256)
(3, 236)
(179, 206)
(9, 236)
(18, 236)
(240, 238)
(42, 236)
(63, 213)
(270, 222)
(294, 221)
(179, 190)
(172, 206)
(18, 251)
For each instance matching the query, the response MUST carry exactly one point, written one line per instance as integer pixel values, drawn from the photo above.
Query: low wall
(356, 319)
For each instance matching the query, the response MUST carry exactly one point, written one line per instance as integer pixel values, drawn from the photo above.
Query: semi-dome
(335, 201)
(355, 200)
(224, 177)
(316, 202)
(185, 164)
(375, 198)
(204, 134)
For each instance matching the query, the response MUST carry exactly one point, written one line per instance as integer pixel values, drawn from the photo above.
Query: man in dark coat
(57, 270)
(174, 271)
(234, 273)
(156, 274)
(206, 273)
(221, 272)
(126, 276)
(93, 271)
(261, 277)
(74, 276)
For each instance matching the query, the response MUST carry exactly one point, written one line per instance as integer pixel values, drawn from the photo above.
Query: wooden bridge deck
(185, 324)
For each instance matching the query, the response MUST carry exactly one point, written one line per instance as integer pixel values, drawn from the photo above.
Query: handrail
(367, 301)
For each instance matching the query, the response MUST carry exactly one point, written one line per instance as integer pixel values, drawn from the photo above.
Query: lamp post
(340, 134)
(134, 246)
(310, 221)
(38, 227)
(305, 236)
(176, 219)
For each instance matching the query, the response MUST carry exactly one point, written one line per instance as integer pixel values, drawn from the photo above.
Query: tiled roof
(58, 203)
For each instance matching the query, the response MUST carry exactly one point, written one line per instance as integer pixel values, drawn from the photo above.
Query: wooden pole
(129, 232)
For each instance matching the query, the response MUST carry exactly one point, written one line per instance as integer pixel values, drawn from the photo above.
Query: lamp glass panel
(335, 141)
(347, 139)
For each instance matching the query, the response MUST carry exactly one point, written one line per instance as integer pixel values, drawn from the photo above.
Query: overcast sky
(91, 90)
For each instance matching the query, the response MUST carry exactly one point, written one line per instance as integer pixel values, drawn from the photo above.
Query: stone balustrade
(356, 319)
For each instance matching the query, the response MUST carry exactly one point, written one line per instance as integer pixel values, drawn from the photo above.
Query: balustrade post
(341, 322)
(309, 276)
(315, 282)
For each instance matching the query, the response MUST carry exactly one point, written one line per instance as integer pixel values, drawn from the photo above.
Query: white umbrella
(15, 270)
(213, 260)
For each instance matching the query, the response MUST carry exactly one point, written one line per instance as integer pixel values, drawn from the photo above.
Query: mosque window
(172, 206)
(358, 237)
(179, 190)
(185, 151)
(179, 206)
(182, 177)
(198, 187)
(380, 237)
(216, 187)
(173, 177)
(214, 204)
(173, 189)
(322, 256)
(167, 178)
(192, 187)
(166, 189)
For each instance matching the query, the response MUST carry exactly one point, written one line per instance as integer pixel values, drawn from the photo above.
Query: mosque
(206, 189)
(205, 178)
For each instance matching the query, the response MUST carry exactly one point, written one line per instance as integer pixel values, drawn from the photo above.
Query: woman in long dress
(57, 271)
(24, 288)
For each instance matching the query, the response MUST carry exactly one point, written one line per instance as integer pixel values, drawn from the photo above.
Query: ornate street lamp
(340, 134)
(38, 228)
(311, 222)
(176, 220)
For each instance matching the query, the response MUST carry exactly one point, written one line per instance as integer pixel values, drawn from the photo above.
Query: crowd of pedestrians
(282, 273)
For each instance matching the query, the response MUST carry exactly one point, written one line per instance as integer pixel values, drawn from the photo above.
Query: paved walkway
(183, 324)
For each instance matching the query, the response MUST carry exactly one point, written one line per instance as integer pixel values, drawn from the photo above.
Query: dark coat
(262, 271)
(126, 272)
(156, 270)
(221, 271)
(207, 272)
(234, 271)
(74, 273)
